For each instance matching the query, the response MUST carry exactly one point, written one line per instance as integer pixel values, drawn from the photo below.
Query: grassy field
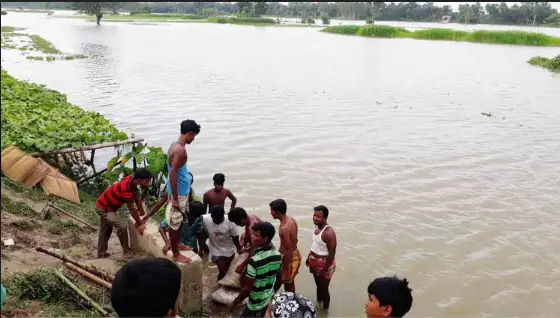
(483, 36)
(552, 64)
(188, 18)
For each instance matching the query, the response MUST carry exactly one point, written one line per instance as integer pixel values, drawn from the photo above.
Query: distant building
(446, 19)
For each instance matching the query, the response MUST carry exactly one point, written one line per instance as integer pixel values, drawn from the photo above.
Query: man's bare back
(288, 235)
(213, 198)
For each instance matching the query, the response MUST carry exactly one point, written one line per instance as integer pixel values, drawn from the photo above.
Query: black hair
(279, 205)
(217, 213)
(219, 179)
(265, 229)
(192, 178)
(394, 292)
(323, 209)
(188, 126)
(142, 173)
(237, 214)
(146, 287)
(196, 209)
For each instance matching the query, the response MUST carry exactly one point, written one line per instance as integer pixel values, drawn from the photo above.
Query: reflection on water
(385, 132)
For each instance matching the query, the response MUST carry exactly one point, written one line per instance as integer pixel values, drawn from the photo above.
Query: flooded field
(387, 133)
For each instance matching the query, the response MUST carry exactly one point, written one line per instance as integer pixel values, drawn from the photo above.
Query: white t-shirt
(220, 242)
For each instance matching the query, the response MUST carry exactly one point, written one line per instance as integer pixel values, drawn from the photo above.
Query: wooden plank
(92, 147)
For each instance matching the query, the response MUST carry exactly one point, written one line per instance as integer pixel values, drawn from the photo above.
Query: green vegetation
(42, 291)
(33, 43)
(492, 37)
(15, 207)
(242, 20)
(43, 45)
(525, 13)
(552, 64)
(148, 15)
(95, 8)
(38, 119)
(8, 29)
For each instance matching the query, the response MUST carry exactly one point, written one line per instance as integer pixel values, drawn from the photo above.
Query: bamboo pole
(92, 147)
(81, 293)
(88, 275)
(72, 216)
(108, 277)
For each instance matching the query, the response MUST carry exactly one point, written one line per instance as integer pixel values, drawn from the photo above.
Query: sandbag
(226, 296)
(232, 279)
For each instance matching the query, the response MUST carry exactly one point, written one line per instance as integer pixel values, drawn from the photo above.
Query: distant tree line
(526, 13)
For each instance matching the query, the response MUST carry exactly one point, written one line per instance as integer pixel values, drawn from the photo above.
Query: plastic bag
(232, 279)
(226, 296)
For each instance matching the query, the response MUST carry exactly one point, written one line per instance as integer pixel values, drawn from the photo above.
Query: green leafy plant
(38, 119)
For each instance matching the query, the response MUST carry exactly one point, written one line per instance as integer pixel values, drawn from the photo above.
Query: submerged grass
(43, 45)
(483, 36)
(552, 64)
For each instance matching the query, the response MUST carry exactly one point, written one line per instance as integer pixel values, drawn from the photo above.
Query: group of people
(188, 226)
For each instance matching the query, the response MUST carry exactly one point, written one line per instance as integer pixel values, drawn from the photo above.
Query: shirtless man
(179, 185)
(291, 258)
(218, 195)
(240, 217)
(321, 261)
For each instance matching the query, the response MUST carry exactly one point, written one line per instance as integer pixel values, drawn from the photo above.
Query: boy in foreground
(388, 297)
(263, 275)
(146, 287)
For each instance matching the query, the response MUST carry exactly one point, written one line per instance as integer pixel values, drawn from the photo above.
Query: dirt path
(21, 222)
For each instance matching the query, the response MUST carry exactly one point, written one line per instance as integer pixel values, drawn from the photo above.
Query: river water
(387, 133)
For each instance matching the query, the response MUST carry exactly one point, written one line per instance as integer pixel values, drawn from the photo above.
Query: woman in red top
(117, 194)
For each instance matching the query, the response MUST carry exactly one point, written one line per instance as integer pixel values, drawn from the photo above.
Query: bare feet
(104, 255)
(183, 247)
(166, 249)
(128, 254)
(179, 258)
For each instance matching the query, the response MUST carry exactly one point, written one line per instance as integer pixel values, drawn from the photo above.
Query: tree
(94, 8)
(259, 8)
(325, 19)
(245, 8)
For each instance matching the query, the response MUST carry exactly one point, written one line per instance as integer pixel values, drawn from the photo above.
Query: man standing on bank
(218, 195)
(179, 185)
(117, 194)
(291, 258)
(321, 261)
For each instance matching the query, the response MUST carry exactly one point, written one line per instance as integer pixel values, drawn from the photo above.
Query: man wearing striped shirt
(117, 194)
(263, 276)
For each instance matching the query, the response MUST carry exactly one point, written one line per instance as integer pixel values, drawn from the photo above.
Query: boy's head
(143, 176)
(217, 213)
(196, 209)
(189, 130)
(278, 208)
(388, 297)
(146, 287)
(238, 216)
(219, 180)
(263, 232)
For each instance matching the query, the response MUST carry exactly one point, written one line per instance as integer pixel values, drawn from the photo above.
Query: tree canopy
(525, 13)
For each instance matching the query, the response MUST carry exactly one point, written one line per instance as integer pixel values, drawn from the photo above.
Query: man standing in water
(218, 195)
(291, 258)
(321, 261)
(179, 185)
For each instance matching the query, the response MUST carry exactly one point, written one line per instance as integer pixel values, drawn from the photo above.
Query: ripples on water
(386, 132)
